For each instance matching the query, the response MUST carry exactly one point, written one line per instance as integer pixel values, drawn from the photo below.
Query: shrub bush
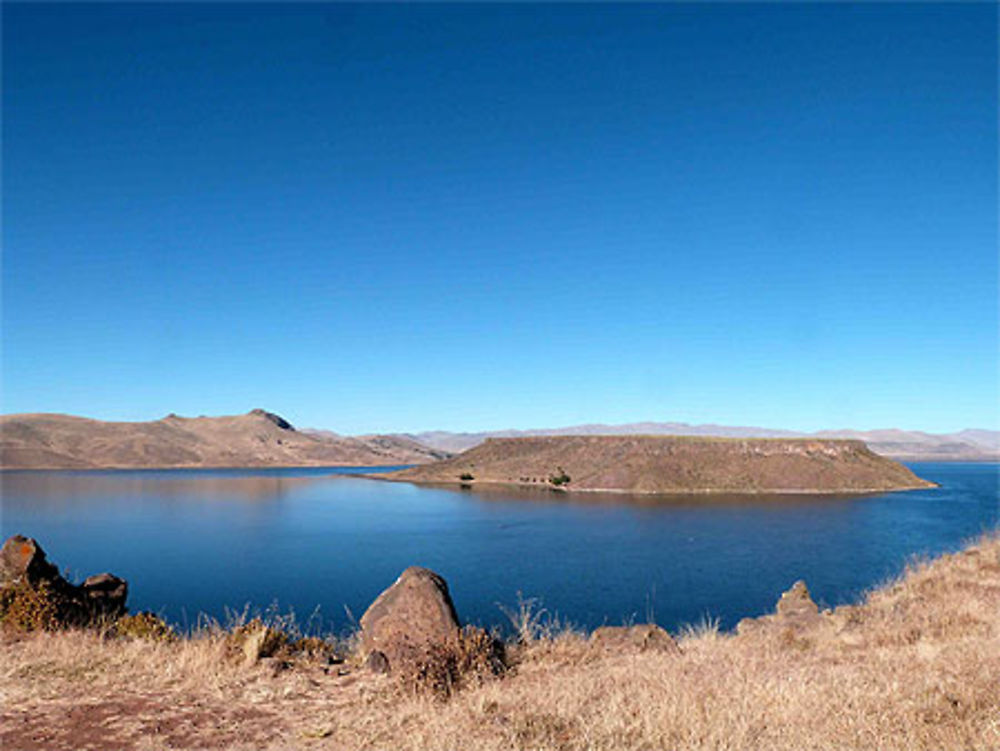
(255, 640)
(27, 608)
(473, 657)
(559, 479)
(143, 626)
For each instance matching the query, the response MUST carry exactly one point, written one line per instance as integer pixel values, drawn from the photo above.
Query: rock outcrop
(27, 575)
(407, 619)
(22, 560)
(796, 604)
(642, 638)
(795, 612)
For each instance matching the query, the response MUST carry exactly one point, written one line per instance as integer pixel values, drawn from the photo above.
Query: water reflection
(255, 485)
(57, 489)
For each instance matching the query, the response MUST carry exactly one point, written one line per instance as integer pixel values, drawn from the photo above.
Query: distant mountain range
(256, 439)
(966, 445)
(263, 439)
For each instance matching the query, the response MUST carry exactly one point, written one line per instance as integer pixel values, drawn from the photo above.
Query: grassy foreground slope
(915, 666)
(672, 464)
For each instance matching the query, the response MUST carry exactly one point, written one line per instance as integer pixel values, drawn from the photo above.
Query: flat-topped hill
(672, 464)
(909, 445)
(256, 439)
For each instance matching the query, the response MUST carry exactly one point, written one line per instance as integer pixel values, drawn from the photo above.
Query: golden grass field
(916, 665)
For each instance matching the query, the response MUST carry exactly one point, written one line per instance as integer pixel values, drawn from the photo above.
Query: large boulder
(410, 617)
(23, 560)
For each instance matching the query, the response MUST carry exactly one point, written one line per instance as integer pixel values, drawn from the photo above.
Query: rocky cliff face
(672, 464)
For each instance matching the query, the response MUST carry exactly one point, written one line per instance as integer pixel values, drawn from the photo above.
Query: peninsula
(256, 439)
(671, 464)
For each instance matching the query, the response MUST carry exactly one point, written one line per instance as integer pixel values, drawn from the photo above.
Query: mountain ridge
(256, 439)
(59, 441)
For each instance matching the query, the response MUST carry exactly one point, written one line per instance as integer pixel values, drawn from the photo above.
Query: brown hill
(910, 445)
(256, 439)
(672, 464)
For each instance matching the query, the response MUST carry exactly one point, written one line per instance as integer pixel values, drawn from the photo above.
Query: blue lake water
(199, 541)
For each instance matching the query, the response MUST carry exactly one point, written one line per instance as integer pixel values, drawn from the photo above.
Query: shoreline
(491, 484)
(911, 665)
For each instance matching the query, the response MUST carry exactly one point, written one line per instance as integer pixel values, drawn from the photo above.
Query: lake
(201, 541)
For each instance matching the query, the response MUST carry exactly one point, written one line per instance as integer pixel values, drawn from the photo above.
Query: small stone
(377, 662)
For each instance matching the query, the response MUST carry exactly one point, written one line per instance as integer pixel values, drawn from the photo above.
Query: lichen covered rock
(23, 560)
(415, 613)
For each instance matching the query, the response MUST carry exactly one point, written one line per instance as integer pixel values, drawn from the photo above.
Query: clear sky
(375, 218)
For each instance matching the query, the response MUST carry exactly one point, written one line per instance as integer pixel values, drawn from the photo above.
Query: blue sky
(374, 218)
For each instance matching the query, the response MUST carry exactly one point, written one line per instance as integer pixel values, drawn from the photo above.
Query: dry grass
(915, 666)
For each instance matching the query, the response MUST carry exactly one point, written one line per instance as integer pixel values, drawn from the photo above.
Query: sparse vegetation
(560, 478)
(142, 626)
(473, 657)
(27, 608)
(256, 640)
(528, 619)
(466, 477)
(914, 666)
